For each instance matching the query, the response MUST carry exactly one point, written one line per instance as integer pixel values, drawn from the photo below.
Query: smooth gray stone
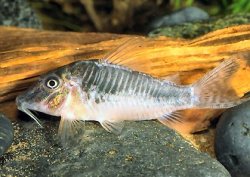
(145, 148)
(6, 134)
(232, 141)
(188, 14)
(18, 13)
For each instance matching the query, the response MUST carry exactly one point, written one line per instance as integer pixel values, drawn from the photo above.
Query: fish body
(109, 93)
(99, 91)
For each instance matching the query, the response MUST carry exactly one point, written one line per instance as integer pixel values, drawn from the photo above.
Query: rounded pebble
(188, 14)
(232, 140)
(6, 134)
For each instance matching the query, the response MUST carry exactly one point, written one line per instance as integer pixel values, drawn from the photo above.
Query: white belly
(119, 108)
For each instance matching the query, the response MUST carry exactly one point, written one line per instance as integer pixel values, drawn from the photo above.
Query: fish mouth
(23, 106)
(29, 113)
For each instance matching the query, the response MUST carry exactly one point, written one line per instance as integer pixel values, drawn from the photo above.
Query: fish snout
(19, 101)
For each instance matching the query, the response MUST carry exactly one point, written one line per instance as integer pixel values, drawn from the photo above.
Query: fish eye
(52, 82)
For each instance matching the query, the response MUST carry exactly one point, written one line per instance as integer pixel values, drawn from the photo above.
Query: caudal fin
(214, 89)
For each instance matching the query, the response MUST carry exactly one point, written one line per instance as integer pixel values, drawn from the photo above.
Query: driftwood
(27, 53)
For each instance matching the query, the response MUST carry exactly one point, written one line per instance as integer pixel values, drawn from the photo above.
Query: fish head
(48, 95)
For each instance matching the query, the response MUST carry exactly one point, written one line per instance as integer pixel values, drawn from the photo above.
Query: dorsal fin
(175, 78)
(122, 53)
(135, 53)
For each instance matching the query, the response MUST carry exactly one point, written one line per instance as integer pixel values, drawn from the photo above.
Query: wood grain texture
(27, 53)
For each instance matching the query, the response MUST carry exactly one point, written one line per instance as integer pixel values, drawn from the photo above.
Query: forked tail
(214, 89)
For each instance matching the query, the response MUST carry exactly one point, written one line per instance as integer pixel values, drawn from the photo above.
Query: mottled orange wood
(27, 53)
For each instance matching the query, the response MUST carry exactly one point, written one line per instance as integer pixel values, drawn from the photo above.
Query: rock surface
(144, 148)
(6, 134)
(188, 14)
(192, 30)
(232, 141)
(18, 13)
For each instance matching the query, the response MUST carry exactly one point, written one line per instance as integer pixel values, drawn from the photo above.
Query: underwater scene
(142, 88)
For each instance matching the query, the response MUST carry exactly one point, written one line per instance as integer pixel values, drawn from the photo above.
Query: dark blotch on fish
(6, 134)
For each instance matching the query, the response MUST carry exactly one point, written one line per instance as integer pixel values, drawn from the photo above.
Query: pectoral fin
(114, 127)
(69, 129)
(72, 117)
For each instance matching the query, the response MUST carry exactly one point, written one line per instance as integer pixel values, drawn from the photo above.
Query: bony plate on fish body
(104, 90)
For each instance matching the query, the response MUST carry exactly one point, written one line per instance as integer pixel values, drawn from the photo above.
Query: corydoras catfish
(98, 90)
